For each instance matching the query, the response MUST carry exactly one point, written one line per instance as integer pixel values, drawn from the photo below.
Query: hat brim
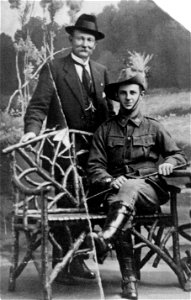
(112, 88)
(98, 35)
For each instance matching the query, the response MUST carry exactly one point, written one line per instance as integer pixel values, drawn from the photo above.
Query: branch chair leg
(47, 290)
(137, 254)
(28, 256)
(12, 276)
(178, 271)
(67, 257)
(176, 241)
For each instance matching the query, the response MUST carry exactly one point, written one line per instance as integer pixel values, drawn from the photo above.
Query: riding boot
(118, 217)
(124, 250)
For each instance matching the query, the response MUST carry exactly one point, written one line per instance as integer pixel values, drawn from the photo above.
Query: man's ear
(142, 93)
(117, 96)
(70, 38)
(95, 45)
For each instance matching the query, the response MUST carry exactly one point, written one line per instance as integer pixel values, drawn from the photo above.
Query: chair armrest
(181, 173)
(32, 141)
(180, 178)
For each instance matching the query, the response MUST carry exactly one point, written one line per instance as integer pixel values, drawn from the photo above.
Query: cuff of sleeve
(104, 182)
(34, 129)
(107, 181)
(171, 161)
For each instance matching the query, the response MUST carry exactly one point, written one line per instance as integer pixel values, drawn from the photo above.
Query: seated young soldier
(129, 144)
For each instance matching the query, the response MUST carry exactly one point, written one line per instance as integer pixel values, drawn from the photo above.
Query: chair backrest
(55, 159)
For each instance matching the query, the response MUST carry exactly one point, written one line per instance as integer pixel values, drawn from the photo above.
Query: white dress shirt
(79, 69)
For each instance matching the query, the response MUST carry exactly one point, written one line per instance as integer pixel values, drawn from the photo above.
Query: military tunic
(132, 145)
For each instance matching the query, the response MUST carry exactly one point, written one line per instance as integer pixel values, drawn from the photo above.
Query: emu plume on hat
(136, 72)
(86, 23)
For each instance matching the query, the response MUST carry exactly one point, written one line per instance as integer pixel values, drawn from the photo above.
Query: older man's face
(83, 44)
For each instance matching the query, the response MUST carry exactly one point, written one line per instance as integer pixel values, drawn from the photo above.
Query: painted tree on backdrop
(145, 27)
(30, 58)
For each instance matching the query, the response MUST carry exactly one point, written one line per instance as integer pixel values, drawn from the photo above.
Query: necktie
(87, 83)
(86, 79)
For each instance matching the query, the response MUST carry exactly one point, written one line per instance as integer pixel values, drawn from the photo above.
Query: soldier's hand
(117, 183)
(165, 169)
(27, 136)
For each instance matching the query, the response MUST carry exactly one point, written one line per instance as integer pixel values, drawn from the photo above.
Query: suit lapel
(72, 79)
(96, 78)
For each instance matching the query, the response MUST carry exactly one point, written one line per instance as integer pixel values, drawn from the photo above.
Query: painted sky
(178, 9)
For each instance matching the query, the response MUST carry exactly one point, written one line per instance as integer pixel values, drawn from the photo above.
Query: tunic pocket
(115, 149)
(142, 145)
(116, 141)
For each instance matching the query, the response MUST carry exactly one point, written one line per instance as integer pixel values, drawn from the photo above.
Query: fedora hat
(86, 23)
(134, 73)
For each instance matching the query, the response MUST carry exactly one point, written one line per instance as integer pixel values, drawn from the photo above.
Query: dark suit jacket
(66, 95)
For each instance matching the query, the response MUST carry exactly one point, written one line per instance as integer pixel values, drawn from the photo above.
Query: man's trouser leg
(132, 194)
(118, 217)
(77, 266)
(135, 193)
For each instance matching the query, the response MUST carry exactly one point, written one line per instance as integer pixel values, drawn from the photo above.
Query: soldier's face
(83, 44)
(129, 95)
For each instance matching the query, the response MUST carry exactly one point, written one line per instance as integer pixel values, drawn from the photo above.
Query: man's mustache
(85, 48)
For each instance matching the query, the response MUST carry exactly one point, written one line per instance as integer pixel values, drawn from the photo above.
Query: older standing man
(128, 145)
(70, 92)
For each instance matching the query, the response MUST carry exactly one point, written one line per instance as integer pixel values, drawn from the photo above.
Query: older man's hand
(165, 169)
(27, 136)
(117, 183)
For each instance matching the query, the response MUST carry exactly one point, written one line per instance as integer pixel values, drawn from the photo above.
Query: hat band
(87, 25)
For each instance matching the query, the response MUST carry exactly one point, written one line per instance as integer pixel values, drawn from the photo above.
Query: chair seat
(62, 217)
(163, 218)
(82, 216)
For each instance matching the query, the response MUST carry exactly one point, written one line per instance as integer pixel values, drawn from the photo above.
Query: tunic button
(128, 138)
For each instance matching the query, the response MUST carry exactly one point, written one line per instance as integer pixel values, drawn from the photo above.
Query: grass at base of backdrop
(179, 127)
(173, 110)
(163, 103)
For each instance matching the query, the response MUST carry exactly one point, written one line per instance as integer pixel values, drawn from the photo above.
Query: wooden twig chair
(48, 171)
